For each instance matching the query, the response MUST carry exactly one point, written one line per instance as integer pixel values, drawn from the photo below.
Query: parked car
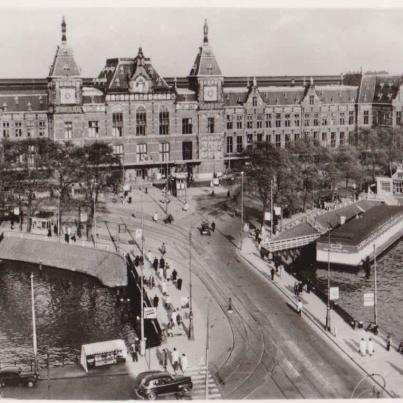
(151, 385)
(205, 228)
(16, 376)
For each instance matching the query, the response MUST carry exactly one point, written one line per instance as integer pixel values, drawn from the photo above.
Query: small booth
(103, 353)
(42, 221)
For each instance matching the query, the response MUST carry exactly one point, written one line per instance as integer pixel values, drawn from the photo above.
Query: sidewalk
(384, 364)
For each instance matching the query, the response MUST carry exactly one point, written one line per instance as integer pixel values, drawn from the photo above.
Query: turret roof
(205, 63)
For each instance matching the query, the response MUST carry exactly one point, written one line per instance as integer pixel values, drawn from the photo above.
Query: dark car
(205, 228)
(152, 384)
(15, 376)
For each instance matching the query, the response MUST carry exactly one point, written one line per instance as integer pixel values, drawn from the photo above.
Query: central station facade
(196, 125)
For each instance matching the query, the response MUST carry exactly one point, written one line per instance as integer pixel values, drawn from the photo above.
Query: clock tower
(205, 77)
(64, 81)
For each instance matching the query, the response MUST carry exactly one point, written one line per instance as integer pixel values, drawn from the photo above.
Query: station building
(193, 126)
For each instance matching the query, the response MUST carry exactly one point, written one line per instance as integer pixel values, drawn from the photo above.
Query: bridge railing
(79, 242)
(283, 244)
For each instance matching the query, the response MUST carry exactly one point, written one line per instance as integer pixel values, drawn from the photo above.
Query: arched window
(164, 121)
(141, 121)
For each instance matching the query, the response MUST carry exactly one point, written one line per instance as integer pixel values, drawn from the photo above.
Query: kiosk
(103, 353)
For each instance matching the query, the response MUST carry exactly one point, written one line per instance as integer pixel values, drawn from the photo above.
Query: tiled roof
(64, 64)
(367, 89)
(386, 89)
(336, 94)
(235, 96)
(23, 102)
(117, 73)
(281, 95)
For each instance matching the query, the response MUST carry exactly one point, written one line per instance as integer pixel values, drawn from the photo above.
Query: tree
(98, 165)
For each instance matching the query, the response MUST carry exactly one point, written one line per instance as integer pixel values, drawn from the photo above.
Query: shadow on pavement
(396, 368)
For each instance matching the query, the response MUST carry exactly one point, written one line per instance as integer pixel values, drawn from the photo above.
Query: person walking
(213, 226)
(175, 359)
(164, 287)
(155, 264)
(133, 352)
(160, 273)
(183, 362)
(179, 284)
(272, 271)
(156, 301)
(49, 232)
(363, 347)
(148, 255)
(163, 248)
(162, 262)
(299, 307)
(388, 342)
(370, 347)
(296, 288)
(165, 358)
(174, 276)
(178, 318)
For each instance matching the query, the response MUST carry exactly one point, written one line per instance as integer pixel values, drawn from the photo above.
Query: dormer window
(117, 82)
(379, 96)
(66, 67)
(4, 106)
(16, 100)
(254, 101)
(381, 85)
(29, 106)
(41, 100)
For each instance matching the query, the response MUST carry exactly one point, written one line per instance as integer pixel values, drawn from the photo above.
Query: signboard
(369, 299)
(277, 210)
(216, 181)
(180, 175)
(138, 233)
(150, 313)
(83, 217)
(267, 216)
(16, 211)
(334, 293)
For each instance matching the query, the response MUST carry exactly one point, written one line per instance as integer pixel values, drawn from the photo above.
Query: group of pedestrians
(367, 347)
(178, 361)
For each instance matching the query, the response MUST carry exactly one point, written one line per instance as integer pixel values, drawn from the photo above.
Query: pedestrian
(184, 362)
(178, 318)
(134, 354)
(400, 348)
(66, 237)
(162, 262)
(174, 275)
(363, 347)
(160, 273)
(175, 359)
(370, 346)
(49, 232)
(156, 301)
(73, 238)
(163, 248)
(213, 226)
(388, 342)
(299, 307)
(152, 282)
(272, 271)
(296, 289)
(137, 260)
(155, 217)
(148, 255)
(164, 287)
(300, 287)
(12, 223)
(155, 264)
(165, 358)
(179, 284)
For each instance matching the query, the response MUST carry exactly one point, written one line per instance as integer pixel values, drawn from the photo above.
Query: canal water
(71, 309)
(352, 287)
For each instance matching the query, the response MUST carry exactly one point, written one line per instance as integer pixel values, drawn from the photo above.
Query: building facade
(196, 125)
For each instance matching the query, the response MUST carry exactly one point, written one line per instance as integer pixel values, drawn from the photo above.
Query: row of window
(287, 120)
(18, 129)
(164, 151)
(141, 124)
(343, 139)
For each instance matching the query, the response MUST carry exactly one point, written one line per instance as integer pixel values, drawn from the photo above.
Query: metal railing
(291, 243)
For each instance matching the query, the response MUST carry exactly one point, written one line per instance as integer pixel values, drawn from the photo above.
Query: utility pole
(166, 194)
(34, 339)
(191, 329)
(375, 288)
(58, 217)
(271, 208)
(328, 284)
(240, 245)
(142, 339)
(207, 348)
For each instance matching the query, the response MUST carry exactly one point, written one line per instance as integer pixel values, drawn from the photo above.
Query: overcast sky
(245, 41)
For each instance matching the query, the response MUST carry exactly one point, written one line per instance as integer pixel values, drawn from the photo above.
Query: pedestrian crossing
(198, 375)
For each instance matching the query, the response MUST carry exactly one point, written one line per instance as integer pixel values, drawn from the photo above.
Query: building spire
(64, 36)
(205, 31)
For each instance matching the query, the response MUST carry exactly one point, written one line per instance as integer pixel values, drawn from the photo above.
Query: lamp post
(191, 328)
(240, 245)
(34, 339)
(369, 376)
(375, 289)
(327, 326)
(142, 339)
(271, 208)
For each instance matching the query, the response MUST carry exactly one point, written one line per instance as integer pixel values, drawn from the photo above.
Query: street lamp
(34, 339)
(369, 376)
(240, 245)
(327, 326)
(191, 328)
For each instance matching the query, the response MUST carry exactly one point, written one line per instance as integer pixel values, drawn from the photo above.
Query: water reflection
(71, 309)
(389, 284)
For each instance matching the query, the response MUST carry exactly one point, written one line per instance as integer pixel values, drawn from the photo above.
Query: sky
(246, 41)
